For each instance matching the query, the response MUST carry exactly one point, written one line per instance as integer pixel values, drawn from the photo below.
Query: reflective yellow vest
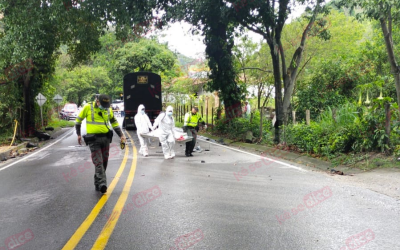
(95, 121)
(192, 120)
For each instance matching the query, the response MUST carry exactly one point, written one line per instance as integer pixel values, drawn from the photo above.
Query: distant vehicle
(118, 107)
(119, 104)
(69, 112)
(141, 88)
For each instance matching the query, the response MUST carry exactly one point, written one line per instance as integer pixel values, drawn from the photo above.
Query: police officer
(98, 115)
(190, 124)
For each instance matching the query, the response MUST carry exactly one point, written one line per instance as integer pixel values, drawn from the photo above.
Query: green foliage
(328, 86)
(146, 55)
(236, 128)
(103, 75)
(254, 68)
(355, 129)
(10, 103)
(346, 35)
(215, 20)
(56, 123)
(36, 30)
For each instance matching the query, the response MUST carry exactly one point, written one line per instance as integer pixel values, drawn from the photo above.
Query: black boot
(103, 189)
(191, 149)
(187, 149)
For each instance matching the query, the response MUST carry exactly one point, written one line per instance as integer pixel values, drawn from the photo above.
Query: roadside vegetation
(345, 83)
(55, 122)
(337, 61)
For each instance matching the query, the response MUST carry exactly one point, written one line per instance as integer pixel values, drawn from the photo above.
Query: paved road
(48, 201)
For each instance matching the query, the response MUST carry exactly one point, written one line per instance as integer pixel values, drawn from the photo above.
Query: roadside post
(58, 100)
(41, 100)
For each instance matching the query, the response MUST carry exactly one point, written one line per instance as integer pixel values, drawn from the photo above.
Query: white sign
(57, 99)
(41, 99)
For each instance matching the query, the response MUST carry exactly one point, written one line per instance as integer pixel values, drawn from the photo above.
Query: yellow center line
(80, 232)
(108, 228)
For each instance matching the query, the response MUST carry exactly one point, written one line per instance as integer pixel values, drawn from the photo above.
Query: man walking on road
(191, 121)
(98, 115)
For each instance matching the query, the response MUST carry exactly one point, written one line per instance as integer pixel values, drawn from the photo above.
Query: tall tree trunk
(28, 112)
(259, 93)
(278, 90)
(219, 43)
(386, 25)
(289, 74)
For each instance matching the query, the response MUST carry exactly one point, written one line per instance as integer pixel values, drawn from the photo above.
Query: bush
(236, 128)
(355, 129)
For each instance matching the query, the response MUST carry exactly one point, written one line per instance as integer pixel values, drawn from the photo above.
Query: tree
(386, 12)
(268, 18)
(345, 36)
(253, 66)
(213, 18)
(34, 30)
(146, 55)
(82, 83)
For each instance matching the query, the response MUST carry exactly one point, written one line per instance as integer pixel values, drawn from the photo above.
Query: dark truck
(141, 88)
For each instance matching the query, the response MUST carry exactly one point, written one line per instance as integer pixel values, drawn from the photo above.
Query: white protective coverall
(166, 132)
(143, 124)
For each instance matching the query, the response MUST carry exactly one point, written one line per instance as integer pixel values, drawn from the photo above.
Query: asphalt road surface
(221, 198)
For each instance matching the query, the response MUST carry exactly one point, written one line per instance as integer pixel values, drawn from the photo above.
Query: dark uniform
(190, 124)
(99, 136)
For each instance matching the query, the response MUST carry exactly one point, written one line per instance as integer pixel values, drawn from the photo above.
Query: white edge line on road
(279, 162)
(67, 133)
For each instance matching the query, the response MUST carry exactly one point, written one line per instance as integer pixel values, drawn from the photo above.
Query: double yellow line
(106, 233)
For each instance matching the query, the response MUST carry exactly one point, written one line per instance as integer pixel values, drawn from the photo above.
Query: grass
(56, 123)
(4, 139)
(365, 161)
(178, 124)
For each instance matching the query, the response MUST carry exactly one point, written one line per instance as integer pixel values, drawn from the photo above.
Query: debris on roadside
(197, 149)
(221, 141)
(31, 145)
(41, 135)
(333, 171)
(13, 154)
(32, 149)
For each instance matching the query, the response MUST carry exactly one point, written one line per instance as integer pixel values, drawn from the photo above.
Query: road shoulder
(15, 152)
(381, 180)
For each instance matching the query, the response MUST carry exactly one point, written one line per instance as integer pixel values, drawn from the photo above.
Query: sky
(180, 39)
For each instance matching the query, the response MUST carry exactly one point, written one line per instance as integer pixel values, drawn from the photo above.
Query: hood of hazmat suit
(142, 121)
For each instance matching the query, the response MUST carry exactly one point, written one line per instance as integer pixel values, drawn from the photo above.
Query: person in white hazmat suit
(143, 125)
(166, 124)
